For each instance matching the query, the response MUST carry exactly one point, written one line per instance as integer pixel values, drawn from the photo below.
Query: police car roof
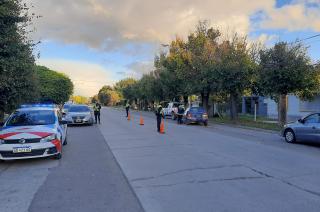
(37, 107)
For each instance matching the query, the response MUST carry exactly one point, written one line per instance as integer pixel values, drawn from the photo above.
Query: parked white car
(171, 109)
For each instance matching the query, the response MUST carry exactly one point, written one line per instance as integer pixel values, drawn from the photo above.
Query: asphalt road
(219, 168)
(122, 166)
(87, 178)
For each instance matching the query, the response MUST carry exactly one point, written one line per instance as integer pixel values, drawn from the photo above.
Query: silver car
(79, 114)
(305, 129)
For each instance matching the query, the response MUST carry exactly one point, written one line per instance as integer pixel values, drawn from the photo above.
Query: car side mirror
(301, 121)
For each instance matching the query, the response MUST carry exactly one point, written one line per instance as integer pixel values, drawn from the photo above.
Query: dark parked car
(305, 129)
(195, 115)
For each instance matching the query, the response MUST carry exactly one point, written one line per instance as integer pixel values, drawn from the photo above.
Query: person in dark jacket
(180, 113)
(159, 114)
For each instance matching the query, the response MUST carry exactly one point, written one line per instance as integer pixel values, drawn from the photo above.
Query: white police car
(33, 131)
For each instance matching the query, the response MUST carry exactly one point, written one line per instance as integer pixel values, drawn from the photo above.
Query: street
(122, 166)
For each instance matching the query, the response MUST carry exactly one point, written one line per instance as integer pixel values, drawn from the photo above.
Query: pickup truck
(171, 109)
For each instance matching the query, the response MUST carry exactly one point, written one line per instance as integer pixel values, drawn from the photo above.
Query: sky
(98, 42)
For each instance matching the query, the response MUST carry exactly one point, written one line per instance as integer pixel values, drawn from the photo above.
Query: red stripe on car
(40, 134)
(57, 144)
(3, 136)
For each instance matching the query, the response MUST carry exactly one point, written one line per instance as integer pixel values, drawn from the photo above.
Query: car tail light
(205, 116)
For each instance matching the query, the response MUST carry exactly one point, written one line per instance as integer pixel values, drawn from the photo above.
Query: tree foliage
(18, 82)
(80, 99)
(284, 69)
(53, 86)
(236, 70)
(223, 69)
(108, 96)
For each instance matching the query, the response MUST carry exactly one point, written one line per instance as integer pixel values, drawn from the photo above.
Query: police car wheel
(57, 156)
(65, 141)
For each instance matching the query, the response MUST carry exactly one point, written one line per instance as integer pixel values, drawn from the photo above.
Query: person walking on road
(127, 108)
(96, 111)
(180, 113)
(160, 114)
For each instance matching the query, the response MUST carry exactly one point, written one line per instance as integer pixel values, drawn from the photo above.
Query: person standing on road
(180, 113)
(127, 108)
(96, 111)
(160, 114)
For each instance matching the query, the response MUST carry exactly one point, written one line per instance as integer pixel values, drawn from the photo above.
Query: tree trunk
(283, 105)
(1, 116)
(185, 100)
(202, 99)
(233, 107)
(205, 102)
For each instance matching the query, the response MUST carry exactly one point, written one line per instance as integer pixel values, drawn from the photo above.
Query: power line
(304, 39)
(308, 38)
(313, 41)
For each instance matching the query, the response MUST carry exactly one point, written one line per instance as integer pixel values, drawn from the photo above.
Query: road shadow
(315, 144)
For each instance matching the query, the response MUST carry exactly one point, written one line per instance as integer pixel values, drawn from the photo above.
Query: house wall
(296, 107)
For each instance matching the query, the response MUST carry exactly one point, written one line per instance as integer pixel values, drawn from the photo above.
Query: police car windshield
(32, 117)
(79, 109)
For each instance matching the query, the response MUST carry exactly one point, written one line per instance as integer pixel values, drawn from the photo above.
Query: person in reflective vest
(127, 108)
(96, 111)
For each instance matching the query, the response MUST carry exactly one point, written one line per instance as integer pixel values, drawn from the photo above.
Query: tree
(18, 83)
(123, 84)
(171, 70)
(203, 48)
(53, 86)
(236, 70)
(80, 99)
(108, 96)
(286, 68)
(94, 99)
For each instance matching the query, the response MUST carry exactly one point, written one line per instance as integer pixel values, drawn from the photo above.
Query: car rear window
(79, 109)
(197, 110)
(32, 117)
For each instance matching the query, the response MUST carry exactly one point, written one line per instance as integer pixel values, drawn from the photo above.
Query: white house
(296, 107)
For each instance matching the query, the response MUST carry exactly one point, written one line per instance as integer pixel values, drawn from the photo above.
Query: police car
(33, 131)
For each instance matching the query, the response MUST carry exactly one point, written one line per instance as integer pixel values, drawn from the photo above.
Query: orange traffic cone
(162, 127)
(141, 120)
(129, 118)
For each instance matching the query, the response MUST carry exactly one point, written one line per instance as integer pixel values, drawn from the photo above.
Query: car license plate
(78, 120)
(21, 149)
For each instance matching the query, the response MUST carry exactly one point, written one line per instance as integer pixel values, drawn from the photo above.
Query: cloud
(87, 78)
(111, 24)
(137, 69)
(300, 15)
